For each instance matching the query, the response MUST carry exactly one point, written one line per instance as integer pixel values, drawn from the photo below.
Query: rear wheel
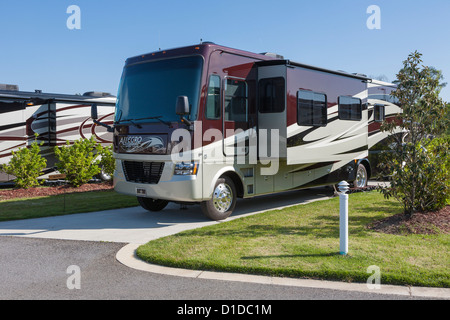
(223, 200)
(152, 204)
(362, 177)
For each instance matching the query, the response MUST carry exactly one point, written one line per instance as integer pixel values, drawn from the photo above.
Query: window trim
(350, 118)
(324, 117)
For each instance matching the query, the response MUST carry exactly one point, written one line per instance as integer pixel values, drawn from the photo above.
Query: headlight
(185, 169)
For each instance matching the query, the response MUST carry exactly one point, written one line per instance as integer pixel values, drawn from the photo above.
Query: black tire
(152, 204)
(223, 200)
(362, 178)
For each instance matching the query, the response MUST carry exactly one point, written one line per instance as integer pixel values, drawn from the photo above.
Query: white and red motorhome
(56, 118)
(209, 124)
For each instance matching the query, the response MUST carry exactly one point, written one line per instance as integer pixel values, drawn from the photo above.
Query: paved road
(35, 255)
(37, 269)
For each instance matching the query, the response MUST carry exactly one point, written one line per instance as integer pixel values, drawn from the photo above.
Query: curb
(127, 256)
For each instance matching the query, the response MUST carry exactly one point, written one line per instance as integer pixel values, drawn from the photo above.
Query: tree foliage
(417, 164)
(79, 161)
(26, 165)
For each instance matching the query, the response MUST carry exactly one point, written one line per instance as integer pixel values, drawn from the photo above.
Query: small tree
(78, 161)
(26, 165)
(418, 171)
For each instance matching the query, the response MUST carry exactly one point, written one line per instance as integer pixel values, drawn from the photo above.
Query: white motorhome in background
(56, 118)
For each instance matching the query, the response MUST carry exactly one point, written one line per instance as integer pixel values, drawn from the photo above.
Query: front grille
(143, 172)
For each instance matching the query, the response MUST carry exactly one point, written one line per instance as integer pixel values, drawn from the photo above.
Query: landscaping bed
(419, 223)
(44, 191)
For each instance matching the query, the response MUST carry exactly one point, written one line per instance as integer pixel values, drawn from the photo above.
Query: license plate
(141, 192)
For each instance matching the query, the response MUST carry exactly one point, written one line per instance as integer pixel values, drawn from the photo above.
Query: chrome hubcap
(222, 197)
(361, 178)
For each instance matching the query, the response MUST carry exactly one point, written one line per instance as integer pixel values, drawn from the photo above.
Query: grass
(303, 241)
(29, 208)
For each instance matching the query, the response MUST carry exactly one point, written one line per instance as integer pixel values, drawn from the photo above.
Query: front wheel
(361, 177)
(222, 202)
(152, 204)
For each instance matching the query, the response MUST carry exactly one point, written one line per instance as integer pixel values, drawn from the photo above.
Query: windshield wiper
(131, 120)
(147, 118)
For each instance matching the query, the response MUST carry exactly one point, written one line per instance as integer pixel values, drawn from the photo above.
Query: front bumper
(170, 187)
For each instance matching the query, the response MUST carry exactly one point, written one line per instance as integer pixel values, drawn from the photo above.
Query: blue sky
(38, 51)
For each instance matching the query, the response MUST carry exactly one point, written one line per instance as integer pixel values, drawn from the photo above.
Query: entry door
(235, 117)
(272, 110)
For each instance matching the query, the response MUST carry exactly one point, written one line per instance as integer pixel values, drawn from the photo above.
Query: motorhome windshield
(148, 91)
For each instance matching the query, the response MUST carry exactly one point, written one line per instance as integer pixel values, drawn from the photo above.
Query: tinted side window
(271, 95)
(379, 113)
(235, 108)
(6, 106)
(311, 108)
(350, 108)
(213, 98)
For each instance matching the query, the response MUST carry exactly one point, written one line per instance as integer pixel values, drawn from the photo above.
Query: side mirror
(94, 113)
(94, 116)
(182, 108)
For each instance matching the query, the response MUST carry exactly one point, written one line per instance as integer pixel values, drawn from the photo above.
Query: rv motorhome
(209, 124)
(56, 118)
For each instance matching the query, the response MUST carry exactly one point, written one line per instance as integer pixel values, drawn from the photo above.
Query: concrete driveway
(138, 226)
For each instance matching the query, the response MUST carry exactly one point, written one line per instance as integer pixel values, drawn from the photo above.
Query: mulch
(418, 223)
(8, 194)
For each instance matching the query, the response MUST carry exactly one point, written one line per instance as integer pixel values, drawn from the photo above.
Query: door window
(236, 101)
(271, 95)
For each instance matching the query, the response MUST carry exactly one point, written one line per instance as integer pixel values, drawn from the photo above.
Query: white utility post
(343, 217)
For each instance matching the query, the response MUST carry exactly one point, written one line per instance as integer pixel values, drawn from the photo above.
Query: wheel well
(237, 182)
(366, 164)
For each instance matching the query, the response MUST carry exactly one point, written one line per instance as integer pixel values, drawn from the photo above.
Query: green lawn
(64, 204)
(303, 241)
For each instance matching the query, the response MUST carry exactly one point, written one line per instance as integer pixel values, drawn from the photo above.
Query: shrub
(26, 165)
(78, 161)
(437, 171)
(107, 162)
(425, 183)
